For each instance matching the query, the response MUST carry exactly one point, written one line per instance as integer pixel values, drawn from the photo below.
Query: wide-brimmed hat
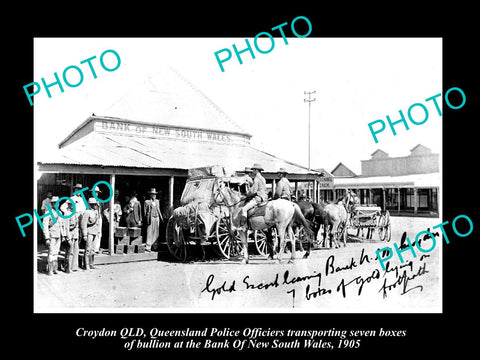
(92, 201)
(282, 171)
(248, 169)
(257, 166)
(97, 189)
(78, 186)
(152, 191)
(54, 199)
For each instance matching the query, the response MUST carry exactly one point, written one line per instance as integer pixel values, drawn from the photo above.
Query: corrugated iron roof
(130, 151)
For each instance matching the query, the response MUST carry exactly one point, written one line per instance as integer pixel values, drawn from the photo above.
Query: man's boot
(50, 268)
(68, 264)
(55, 266)
(92, 259)
(86, 261)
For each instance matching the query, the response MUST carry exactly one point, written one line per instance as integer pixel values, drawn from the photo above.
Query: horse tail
(299, 216)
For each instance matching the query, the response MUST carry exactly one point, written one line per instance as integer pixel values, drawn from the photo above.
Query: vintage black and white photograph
(273, 174)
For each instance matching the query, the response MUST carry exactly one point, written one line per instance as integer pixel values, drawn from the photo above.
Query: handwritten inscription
(403, 277)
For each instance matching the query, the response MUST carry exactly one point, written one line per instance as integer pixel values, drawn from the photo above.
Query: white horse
(337, 217)
(279, 213)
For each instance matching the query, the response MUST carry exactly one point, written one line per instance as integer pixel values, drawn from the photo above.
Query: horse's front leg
(281, 236)
(292, 243)
(244, 238)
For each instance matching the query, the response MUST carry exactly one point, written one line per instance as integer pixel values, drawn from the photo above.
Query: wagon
(200, 220)
(371, 218)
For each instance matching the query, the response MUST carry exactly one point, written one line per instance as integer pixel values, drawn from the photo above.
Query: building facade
(150, 138)
(407, 185)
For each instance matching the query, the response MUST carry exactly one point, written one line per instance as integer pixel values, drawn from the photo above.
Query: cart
(371, 218)
(200, 220)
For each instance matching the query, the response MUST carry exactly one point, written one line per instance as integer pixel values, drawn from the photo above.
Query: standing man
(98, 238)
(282, 190)
(134, 211)
(90, 226)
(117, 210)
(257, 192)
(78, 200)
(153, 216)
(46, 201)
(71, 238)
(52, 232)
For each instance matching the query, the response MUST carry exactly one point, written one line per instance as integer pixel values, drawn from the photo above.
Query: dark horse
(315, 214)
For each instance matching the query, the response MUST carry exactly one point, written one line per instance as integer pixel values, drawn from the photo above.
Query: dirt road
(332, 280)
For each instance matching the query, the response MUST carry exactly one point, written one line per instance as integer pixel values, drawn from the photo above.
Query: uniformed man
(257, 193)
(90, 226)
(72, 232)
(52, 232)
(282, 190)
(153, 216)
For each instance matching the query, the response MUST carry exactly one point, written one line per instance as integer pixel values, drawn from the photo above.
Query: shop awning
(414, 180)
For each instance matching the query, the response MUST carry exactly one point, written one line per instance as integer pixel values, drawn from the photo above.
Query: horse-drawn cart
(200, 220)
(371, 218)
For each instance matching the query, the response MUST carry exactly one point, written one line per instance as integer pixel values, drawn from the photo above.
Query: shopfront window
(391, 199)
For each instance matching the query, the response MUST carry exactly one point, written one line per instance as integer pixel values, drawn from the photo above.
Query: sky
(356, 81)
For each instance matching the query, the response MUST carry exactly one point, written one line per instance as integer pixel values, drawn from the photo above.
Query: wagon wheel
(384, 227)
(176, 241)
(228, 242)
(260, 240)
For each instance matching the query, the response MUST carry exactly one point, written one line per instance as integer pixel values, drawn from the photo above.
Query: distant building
(420, 161)
(406, 185)
(342, 171)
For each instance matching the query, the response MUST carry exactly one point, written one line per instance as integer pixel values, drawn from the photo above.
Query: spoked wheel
(228, 242)
(384, 227)
(176, 242)
(260, 240)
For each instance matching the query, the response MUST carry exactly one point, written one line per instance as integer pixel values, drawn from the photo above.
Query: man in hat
(46, 201)
(282, 190)
(52, 232)
(69, 236)
(78, 200)
(257, 193)
(249, 177)
(90, 226)
(133, 211)
(153, 216)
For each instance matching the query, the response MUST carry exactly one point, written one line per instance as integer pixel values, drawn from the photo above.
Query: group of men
(257, 190)
(85, 223)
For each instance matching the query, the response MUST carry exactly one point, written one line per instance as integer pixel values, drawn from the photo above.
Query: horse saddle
(258, 210)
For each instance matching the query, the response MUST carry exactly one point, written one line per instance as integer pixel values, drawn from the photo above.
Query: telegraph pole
(309, 100)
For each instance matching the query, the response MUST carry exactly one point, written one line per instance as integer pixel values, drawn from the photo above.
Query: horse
(279, 213)
(315, 214)
(337, 217)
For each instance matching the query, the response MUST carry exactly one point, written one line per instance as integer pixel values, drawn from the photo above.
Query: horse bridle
(219, 192)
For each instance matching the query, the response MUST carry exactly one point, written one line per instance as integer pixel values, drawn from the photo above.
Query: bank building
(149, 138)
